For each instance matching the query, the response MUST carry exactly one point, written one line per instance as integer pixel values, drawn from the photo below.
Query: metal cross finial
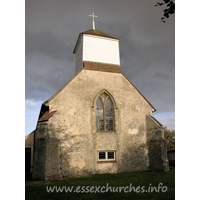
(93, 16)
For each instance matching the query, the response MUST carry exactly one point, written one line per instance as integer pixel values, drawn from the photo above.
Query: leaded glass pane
(99, 115)
(102, 155)
(109, 115)
(111, 155)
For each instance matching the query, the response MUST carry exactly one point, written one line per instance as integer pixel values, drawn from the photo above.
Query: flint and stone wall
(157, 146)
(71, 144)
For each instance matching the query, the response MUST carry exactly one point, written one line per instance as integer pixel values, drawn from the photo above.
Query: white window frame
(106, 155)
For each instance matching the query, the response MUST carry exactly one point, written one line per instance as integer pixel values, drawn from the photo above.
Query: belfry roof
(97, 33)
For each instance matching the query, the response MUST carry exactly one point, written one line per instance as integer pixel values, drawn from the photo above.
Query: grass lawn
(145, 180)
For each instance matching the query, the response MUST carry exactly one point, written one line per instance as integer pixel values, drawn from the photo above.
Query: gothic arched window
(104, 113)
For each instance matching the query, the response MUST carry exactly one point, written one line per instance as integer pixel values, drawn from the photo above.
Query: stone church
(98, 122)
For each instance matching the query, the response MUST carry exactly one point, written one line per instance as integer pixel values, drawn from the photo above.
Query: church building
(98, 122)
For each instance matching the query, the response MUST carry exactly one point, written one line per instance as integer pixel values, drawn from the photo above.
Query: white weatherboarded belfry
(98, 122)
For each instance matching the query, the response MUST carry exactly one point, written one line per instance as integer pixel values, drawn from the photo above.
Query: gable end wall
(73, 127)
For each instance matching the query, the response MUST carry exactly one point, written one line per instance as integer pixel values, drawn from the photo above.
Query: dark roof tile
(98, 33)
(46, 116)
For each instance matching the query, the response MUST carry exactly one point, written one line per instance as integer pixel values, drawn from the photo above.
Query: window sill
(107, 161)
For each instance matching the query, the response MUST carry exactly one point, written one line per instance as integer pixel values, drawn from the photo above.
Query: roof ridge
(52, 97)
(29, 134)
(155, 120)
(138, 91)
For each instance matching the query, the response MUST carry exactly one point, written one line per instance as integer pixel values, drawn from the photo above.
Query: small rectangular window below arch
(108, 155)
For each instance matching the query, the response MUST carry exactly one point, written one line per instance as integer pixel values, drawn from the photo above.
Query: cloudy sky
(146, 49)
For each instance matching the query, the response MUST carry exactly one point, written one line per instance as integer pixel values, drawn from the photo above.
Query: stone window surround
(103, 103)
(94, 111)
